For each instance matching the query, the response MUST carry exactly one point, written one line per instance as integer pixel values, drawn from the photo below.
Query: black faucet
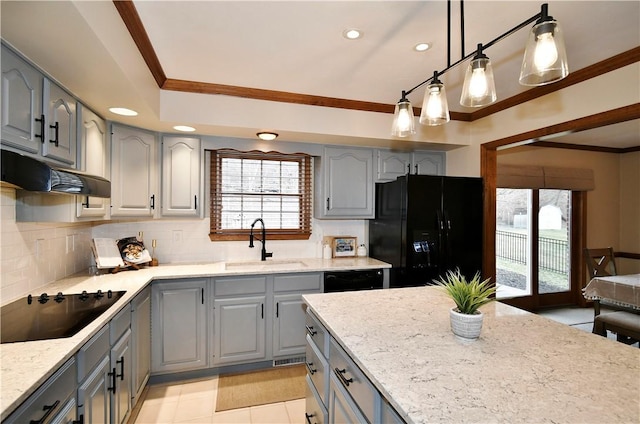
(263, 254)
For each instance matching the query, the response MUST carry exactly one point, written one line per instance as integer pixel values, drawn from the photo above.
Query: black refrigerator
(426, 225)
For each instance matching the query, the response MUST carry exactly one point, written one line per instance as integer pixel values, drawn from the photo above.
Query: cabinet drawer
(317, 369)
(315, 412)
(282, 283)
(50, 398)
(92, 352)
(353, 381)
(239, 286)
(318, 334)
(119, 324)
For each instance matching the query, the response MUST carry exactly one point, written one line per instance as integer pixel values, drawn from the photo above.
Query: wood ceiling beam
(132, 21)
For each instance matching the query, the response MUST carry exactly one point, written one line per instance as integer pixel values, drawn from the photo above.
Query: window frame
(303, 232)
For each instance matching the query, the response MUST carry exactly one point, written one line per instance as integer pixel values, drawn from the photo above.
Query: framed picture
(344, 246)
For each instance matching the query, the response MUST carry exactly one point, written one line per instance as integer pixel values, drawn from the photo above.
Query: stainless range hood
(30, 174)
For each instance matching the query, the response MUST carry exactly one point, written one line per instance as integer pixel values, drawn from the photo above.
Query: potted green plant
(466, 319)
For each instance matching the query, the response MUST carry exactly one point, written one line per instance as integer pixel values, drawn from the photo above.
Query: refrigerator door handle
(440, 222)
(446, 217)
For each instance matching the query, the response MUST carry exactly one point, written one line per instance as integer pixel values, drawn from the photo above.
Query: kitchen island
(25, 366)
(523, 368)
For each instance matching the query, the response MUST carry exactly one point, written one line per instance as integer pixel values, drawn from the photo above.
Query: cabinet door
(141, 341)
(21, 103)
(133, 172)
(341, 407)
(178, 334)
(93, 158)
(95, 393)
(181, 177)
(121, 365)
(60, 141)
(347, 184)
(288, 325)
(68, 413)
(240, 330)
(428, 163)
(392, 165)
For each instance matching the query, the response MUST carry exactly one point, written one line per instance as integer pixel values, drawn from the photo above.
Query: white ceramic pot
(464, 325)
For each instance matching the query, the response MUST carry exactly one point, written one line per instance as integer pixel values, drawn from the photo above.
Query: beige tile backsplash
(34, 254)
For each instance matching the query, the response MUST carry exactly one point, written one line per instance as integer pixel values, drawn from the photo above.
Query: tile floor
(194, 401)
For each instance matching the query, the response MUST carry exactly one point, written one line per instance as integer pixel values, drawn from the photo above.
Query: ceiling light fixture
(267, 136)
(421, 47)
(544, 62)
(352, 34)
(123, 111)
(184, 128)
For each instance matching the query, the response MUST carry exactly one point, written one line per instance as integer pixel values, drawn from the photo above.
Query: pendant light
(403, 119)
(545, 58)
(478, 88)
(435, 109)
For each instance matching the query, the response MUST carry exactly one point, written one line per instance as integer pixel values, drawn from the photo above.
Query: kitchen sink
(264, 265)
(53, 317)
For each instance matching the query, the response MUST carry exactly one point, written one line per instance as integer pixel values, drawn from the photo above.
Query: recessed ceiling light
(267, 136)
(352, 34)
(184, 128)
(421, 47)
(123, 111)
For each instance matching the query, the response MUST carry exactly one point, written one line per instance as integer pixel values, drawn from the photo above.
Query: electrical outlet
(39, 248)
(177, 236)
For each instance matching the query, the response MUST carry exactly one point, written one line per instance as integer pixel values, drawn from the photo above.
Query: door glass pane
(554, 254)
(513, 246)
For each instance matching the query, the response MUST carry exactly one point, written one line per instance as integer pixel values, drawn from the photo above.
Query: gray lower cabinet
(94, 394)
(140, 342)
(239, 310)
(121, 367)
(289, 314)
(48, 402)
(336, 388)
(342, 408)
(178, 334)
(67, 414)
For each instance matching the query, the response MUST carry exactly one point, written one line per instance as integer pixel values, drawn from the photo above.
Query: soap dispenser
(362, 250)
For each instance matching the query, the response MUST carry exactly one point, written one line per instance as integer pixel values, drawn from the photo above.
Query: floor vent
(289, 361)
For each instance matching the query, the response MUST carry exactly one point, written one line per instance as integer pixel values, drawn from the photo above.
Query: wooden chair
(624, 323)
(600, 262)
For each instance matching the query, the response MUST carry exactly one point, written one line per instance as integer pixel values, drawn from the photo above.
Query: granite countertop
(523, 368)
(24, 366)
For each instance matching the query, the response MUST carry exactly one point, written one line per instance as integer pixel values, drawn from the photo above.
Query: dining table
(617, 290)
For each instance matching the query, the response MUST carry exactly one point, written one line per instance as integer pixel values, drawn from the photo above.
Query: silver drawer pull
(311, 370)
(311, 331)
(340, 374)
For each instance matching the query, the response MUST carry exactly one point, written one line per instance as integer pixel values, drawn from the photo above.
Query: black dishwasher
(366, 279)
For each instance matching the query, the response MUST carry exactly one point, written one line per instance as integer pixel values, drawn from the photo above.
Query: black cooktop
(52, 316)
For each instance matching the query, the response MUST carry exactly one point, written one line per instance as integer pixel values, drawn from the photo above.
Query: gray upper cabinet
(181, 176)
(344, 184)
(94, 157)
(22, 121)
(134, 172)
(60, 124)
(391, 165)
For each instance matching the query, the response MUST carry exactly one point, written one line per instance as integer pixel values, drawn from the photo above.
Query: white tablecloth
(623, 290)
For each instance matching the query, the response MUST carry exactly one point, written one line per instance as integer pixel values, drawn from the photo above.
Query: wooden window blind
(249, 185)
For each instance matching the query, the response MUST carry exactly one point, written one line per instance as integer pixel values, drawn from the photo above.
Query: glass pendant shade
(435, 109)
(479, 88)
(545, 58)
(403, 119)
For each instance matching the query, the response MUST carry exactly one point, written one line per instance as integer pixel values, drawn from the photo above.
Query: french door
(534, 253)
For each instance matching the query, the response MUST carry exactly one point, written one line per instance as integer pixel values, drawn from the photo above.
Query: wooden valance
(545, 177)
